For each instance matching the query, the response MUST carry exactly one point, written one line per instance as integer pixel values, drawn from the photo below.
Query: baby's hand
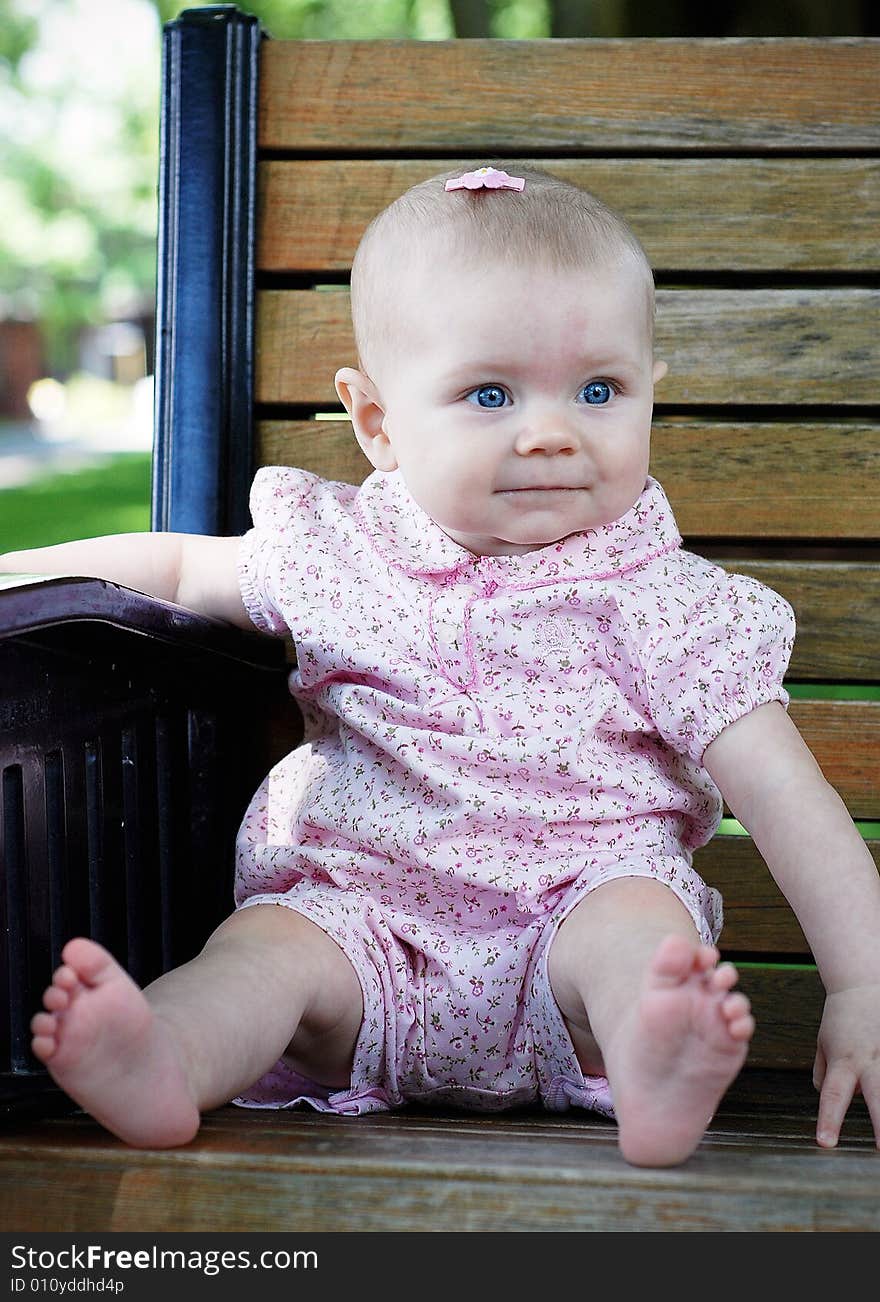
(848, 1059)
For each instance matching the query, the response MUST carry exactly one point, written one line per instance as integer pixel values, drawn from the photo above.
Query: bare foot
(104, 1046)
(672, 1060)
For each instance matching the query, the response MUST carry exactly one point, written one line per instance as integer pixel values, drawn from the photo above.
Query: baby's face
(519, 410)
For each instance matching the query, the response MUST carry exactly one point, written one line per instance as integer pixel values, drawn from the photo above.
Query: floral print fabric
(488, 739)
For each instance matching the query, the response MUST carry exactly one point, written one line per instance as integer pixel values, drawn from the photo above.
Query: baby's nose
(547, 435)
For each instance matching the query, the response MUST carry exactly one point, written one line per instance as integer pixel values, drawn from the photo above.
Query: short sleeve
(719, 661)
(279, 496)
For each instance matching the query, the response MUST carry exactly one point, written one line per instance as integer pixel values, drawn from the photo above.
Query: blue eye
(597, 392)
(490, 396)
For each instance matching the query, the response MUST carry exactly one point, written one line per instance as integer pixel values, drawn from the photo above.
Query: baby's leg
(648, 1007)
(146, 1063)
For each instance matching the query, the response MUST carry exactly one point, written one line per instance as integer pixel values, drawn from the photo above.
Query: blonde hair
(551, 223)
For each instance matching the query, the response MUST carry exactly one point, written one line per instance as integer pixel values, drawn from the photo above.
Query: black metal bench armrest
(33, 604)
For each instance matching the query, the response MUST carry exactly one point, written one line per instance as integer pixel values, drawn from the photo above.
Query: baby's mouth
(546, 488)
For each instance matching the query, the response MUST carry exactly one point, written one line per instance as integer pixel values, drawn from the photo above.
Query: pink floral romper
(488, 739)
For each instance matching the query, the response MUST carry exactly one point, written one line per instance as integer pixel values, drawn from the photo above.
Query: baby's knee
(285, 946)
(619, 920)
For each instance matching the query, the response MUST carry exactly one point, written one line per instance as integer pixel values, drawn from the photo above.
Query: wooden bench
(749, 169)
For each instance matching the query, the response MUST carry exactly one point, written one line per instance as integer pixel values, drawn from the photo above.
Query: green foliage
(110, 498)
(389, 19)
(77, 168)
(332, 19)
(18, 34)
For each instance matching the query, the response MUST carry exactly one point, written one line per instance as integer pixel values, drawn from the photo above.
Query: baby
(472, 885)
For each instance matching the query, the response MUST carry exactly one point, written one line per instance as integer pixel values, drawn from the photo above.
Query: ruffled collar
(407, 538)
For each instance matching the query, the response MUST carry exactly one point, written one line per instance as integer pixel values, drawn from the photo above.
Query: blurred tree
(330, 19)
(77, 172)
(368, 19)
(18, 34)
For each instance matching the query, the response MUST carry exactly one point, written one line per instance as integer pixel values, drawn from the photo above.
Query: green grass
(833, 691)
(111, 498)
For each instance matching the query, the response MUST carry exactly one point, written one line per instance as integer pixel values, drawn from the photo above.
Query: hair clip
(486, 178)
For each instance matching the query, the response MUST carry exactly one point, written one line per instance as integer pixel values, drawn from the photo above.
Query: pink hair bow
(486, 178)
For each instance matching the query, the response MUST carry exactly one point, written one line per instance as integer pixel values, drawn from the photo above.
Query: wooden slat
(600, 95)
(757, 916)
(767, 346)
(326, 447)
(808, 480)
(787, 1007)
(732, 214)
(845, 738)
(725, 479)
(757, 1169)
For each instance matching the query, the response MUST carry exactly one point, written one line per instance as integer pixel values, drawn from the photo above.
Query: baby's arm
(775, 788)
(189, 569)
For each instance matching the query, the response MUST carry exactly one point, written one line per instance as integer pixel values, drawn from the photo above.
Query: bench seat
(758, 1169)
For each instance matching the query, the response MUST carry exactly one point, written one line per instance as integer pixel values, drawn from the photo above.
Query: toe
(64, 978)
(89, 960)
(43, 1043)
(56, 999)
(706, 957)
(735, 1005)
(43, 1024)
(43, 1047)
(723, 977)
(742, 1028)
(736, 1011)
(673, 960)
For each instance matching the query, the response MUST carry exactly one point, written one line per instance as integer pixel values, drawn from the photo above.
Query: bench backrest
(748, 168)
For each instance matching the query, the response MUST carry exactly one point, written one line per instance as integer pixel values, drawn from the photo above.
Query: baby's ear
(363, 402)
(660, 369)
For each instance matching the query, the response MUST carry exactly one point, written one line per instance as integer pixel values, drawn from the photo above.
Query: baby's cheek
(452, 494)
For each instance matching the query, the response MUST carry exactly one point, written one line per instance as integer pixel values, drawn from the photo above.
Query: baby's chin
(511, 546)
(530, 541)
